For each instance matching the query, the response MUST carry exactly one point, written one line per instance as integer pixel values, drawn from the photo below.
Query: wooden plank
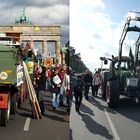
(32, 95)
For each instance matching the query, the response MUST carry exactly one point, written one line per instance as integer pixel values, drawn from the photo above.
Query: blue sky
(96, 27)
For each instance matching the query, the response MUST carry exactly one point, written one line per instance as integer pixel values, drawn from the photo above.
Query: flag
(28, 45)
(131, 54)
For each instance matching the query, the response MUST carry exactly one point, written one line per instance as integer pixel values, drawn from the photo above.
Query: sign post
(48, 62)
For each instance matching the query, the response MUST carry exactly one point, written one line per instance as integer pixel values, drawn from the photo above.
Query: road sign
(48, 62)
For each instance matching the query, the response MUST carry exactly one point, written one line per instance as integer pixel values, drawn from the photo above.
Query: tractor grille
(132, 82)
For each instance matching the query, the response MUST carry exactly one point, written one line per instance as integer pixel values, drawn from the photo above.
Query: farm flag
(131, 54)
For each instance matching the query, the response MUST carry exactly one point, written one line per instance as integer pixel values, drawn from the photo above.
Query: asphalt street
(94, 122)
(98, 122)
(53, 126)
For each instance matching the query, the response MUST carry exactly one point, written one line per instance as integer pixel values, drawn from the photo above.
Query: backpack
(78, 86)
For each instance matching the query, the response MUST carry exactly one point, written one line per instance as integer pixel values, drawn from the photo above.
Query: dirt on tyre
(112, 93)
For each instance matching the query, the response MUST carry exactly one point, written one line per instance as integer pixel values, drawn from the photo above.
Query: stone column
(44, 48)
(58, 55)
(32, 44)
(63, 58)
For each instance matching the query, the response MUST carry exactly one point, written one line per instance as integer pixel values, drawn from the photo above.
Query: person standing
(88, 82)
(48, 83)
(41, 87)
(95, 84)
(56, 84)
(68, 91)
(73, 79)
(78, 92)
(62, 72)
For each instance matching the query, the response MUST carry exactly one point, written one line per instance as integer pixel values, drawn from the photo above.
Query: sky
(40, 12)
(96, 27)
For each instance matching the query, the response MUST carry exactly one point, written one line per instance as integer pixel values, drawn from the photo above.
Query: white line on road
(27, 124)
(116, 136)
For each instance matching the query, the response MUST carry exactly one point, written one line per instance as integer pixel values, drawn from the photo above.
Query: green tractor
(123, 76)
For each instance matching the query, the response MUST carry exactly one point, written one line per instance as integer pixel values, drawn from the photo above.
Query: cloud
(97, 36)
(42, 12)
(107, 54)
(28, 3)
(91, 25)
(91, 47)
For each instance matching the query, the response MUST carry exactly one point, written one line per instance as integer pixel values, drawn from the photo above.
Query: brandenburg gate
(34, 33)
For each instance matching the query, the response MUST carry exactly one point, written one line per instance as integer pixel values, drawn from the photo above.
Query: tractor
(123, 75)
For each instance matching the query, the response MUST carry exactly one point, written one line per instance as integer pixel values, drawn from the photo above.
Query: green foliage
(73, 60)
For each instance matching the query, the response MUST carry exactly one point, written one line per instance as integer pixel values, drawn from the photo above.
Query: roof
(6, 48)
(124, 58)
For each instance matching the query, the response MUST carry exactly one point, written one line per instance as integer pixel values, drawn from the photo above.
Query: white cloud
(57, 14)
(90, 26)
(50, 12)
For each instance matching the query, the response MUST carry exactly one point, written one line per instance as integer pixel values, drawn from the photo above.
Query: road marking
(116, 136)
(27, 124)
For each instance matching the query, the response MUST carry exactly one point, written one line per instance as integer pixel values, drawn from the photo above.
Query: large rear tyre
(112, 93)
(13, 109)
(5, 114)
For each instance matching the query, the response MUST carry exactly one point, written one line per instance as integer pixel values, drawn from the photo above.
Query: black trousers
(87, 86)
(69, 103)
(78, 99)
(95, 89)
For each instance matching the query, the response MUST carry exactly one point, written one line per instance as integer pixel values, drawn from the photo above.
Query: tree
(73, 60)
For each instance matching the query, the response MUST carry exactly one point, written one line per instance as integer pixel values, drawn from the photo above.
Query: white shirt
(66, 82)
(96, 80)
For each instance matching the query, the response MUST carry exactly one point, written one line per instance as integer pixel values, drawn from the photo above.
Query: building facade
(44, 37)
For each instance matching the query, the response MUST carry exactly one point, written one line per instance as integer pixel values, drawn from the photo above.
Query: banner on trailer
(19, 75)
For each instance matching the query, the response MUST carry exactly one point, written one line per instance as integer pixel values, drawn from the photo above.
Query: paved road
(53, 126)
(98, 122)
(95, 122)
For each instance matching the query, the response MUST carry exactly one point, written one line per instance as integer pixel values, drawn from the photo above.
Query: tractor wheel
(13, 109)
(112, 93)
(5, 115)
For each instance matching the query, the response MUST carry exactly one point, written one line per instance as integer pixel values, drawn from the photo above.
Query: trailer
(11, 75)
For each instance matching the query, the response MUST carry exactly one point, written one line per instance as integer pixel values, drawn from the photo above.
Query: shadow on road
(55, 117)
(86, 109)
(129, 108)
(96, 101)
(25, 111)
(93, 126)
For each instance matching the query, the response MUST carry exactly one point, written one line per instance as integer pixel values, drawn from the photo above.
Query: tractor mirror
(105, 62)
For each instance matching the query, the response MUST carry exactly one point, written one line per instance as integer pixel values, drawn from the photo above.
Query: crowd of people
(56, 80)
(64, 83)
